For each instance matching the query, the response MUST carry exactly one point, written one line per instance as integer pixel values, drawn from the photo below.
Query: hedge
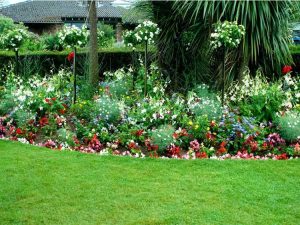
(42, 62)
(110, 59)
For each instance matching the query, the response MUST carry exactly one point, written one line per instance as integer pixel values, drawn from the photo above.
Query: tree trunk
(93, 45)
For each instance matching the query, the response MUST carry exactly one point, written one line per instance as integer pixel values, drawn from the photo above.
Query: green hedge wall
(42, 62)
(295, 50)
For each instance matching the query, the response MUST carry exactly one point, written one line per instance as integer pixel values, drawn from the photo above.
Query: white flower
(22, 98)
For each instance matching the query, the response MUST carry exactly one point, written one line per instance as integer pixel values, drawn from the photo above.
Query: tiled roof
(35, 11)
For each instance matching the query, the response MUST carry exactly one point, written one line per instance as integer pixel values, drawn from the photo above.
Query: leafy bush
(66, 136)
(106, 35)
(83, 109)
(6, 24)
(162, 137)
(7, 104)
(32, 43)
(23, 116)
(52, 42)
(289, 125)
(265, 104)
(255, 97)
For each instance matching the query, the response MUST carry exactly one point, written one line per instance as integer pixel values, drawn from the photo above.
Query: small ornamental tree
(144, 34)
(72, 36)
(226, 36)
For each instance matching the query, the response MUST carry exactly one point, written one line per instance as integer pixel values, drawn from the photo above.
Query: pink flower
(195, 145)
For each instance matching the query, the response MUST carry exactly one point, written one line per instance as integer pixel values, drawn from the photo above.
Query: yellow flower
(207, 128)
(197, 126)
(190, 122)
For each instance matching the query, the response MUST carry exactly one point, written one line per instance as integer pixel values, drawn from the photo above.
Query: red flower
(283, 156)
(201, 155)
(95, 144)
(132, 145)
(286, 69)
(63, 111)
(139, 133)
(71, 56)
(19, 131)
(44, 121)
(175, 135)
(210, 136)
(174, 151)
(222, 148)
(195, 145)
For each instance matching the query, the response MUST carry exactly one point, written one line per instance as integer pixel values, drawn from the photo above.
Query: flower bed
(261, 122)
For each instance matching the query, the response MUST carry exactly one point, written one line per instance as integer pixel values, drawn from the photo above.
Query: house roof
(36, 11)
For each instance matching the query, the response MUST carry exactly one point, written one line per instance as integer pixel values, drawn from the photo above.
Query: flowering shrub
(227, 34)
(129, 38)
(145, 32)
(256, 97)
(72, 36)
(123, 122)
(13, 39)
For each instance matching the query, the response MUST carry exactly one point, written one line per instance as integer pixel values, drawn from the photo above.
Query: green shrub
(7, 104)
(51, 42)
(22, 117)
(66, 136)
(83, 109)
(289, 125)
(6, 24)
(264, 104)
(106, 35)
(162, 137)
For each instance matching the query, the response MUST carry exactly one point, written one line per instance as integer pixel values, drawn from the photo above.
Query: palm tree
(265, 44)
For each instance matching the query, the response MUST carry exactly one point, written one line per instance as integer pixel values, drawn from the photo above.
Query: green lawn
(41, 186)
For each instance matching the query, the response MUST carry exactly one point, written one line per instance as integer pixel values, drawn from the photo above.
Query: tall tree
(93, 45)
(265, 44)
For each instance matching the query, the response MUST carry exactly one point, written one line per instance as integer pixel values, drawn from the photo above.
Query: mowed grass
(41, 186)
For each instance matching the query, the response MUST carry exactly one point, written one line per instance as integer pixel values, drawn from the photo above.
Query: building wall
(40, 28)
